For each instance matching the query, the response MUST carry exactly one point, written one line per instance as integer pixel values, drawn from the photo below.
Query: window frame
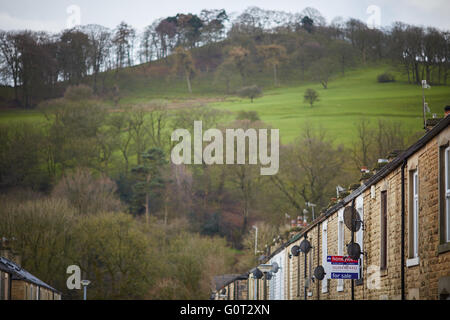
(415, 214)
(444, 205)
(359, 238)
(325, 254)
(341, 244)
(447, 192)
(383, 230)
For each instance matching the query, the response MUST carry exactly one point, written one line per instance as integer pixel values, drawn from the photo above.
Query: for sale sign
(340, 267)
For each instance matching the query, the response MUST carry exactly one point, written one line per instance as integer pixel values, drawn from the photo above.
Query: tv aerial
(352, 219)
(256, 273)
(319, 273)
(305, 246)
(354, 250)
(353, 222)
(295, 251)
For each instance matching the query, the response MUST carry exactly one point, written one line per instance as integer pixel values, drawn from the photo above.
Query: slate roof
(225, 279)
(17, 273)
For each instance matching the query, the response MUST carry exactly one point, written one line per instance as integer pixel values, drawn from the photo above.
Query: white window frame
(325, 255)
(447, 193)
(414, 258)
(360, 232)
(341, 231)
(415, 214)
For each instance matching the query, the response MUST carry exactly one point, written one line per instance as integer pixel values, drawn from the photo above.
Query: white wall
(276, 291)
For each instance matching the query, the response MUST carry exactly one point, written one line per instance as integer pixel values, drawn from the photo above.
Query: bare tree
(184, 64)
(100, 46)
(123, 41)
(273, 55)
(311, 96)
(363, 146)
(308, 169)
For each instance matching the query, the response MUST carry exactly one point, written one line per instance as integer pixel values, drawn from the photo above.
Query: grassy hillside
(346, 100)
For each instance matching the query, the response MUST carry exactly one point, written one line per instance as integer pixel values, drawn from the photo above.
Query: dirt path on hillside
(178, 103)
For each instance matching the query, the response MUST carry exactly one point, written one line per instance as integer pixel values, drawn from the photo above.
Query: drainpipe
(402, 250)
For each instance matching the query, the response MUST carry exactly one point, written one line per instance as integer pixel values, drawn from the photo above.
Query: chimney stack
(8, 253)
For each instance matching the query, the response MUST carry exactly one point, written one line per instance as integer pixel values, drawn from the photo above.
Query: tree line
(40, 65)
(132, 147)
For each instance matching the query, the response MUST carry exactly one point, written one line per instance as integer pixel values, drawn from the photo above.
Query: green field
(346, 100)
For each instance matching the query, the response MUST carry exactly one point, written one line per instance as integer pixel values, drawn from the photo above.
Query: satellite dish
(85, 283)
(257, 273)
(295, 250)
(269, 275)
(319, 273)
(352, 219)
(354, 250)
(275, 267)
(305, 246)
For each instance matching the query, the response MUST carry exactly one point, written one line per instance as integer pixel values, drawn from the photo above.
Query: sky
(56, 15)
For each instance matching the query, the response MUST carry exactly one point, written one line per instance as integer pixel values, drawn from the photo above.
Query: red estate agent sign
(340, 267)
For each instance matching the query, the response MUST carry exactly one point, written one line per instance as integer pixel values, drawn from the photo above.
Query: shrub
(80, 92)
(248, 115)
(386, 77)
(41, 234)
(87, 194)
